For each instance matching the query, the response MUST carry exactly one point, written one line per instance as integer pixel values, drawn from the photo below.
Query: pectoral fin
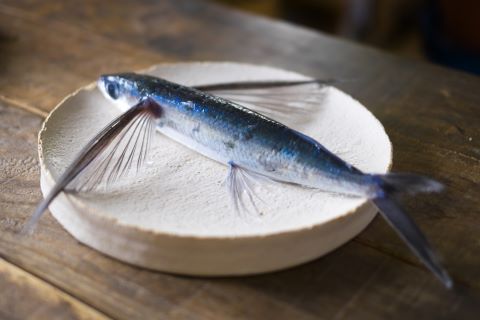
(118, 147)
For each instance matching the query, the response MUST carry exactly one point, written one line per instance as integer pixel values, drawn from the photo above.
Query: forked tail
(395, 183)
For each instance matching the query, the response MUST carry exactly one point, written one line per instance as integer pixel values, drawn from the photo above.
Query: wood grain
(48, 49)
(32, 49)
(44, 300)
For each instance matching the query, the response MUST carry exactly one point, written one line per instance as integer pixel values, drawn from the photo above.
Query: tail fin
(407, 183)
(394, 183)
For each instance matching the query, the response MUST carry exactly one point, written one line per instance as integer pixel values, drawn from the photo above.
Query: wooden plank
(43, 61)
(44, 300)
(431, 115)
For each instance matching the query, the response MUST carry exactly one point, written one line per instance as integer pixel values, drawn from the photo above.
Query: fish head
(121, 89)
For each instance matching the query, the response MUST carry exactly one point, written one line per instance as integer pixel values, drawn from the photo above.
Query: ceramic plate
(176, 215)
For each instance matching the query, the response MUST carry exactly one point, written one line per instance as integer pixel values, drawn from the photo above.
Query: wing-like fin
(246, 85)
(108, 156)
(126, 152)
(290, 102)
(241, 185)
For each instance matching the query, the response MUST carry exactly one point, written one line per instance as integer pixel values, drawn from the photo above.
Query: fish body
(230, 133)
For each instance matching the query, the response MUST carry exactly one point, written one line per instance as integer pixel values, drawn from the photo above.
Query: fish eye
(113, 90)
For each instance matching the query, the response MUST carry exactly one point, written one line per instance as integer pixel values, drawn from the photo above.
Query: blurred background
(445, 32)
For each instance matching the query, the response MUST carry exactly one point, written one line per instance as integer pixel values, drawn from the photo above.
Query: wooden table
(48, 49)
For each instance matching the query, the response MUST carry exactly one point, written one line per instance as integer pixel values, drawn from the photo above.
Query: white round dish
(175, 216)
